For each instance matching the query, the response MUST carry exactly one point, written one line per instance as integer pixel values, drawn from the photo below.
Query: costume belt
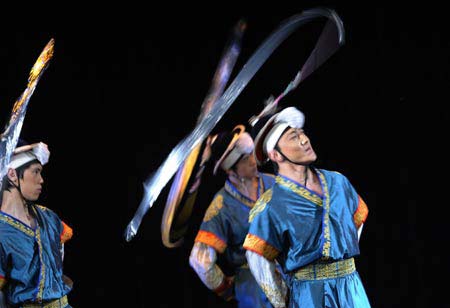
(57, 303)
(320, 270)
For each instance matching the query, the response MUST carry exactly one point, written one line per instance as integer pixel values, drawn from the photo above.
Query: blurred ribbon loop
(330, 40)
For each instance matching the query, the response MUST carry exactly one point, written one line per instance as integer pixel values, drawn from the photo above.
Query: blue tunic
(224, 228)
(298, 227)
(31, 268)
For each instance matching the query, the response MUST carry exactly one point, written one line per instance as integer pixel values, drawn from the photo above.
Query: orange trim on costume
(361, 213)
(261, 247)
(66, 233)
(2, 281)
(212, 240)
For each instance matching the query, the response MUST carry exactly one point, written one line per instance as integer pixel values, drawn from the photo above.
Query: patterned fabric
(298, 227)
(57, 303)
(320, 270)
(30, 259)
(260, 246)
(224, 228)
(225, 223)
(212, 240)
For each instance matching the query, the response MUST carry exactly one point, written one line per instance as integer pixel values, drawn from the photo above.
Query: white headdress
(27, 153)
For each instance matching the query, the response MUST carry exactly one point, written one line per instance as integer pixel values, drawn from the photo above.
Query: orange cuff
(361, 213)
(66, 233)
(212, 240)
(261, 247)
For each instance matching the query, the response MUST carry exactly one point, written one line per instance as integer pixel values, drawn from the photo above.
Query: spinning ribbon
(331, 39)
(221, 76)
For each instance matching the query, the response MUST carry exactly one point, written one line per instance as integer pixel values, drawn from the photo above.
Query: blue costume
(314, 239)
(224, 228)
(31, 268)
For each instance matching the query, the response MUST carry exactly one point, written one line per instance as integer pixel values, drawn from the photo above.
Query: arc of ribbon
(181, 179)
(10, 136)
(154, 184)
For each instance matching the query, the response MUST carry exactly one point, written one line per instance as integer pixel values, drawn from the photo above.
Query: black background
(126, 85)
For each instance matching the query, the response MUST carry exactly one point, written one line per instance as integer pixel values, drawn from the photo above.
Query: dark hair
(275, 167)
(6, 183)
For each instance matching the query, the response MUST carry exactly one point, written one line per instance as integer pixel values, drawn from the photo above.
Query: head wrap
(268, 130)
(24, 154)
(230, 147)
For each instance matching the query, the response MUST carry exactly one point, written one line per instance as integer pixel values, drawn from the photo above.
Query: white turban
(288, 117)
(241, 144)
(27, 153)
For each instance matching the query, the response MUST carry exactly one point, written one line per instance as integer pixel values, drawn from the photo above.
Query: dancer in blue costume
(225, 223)
(309, 223)
(32, 237)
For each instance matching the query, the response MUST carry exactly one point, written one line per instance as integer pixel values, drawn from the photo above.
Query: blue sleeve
(265, 233)
(214, 228)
